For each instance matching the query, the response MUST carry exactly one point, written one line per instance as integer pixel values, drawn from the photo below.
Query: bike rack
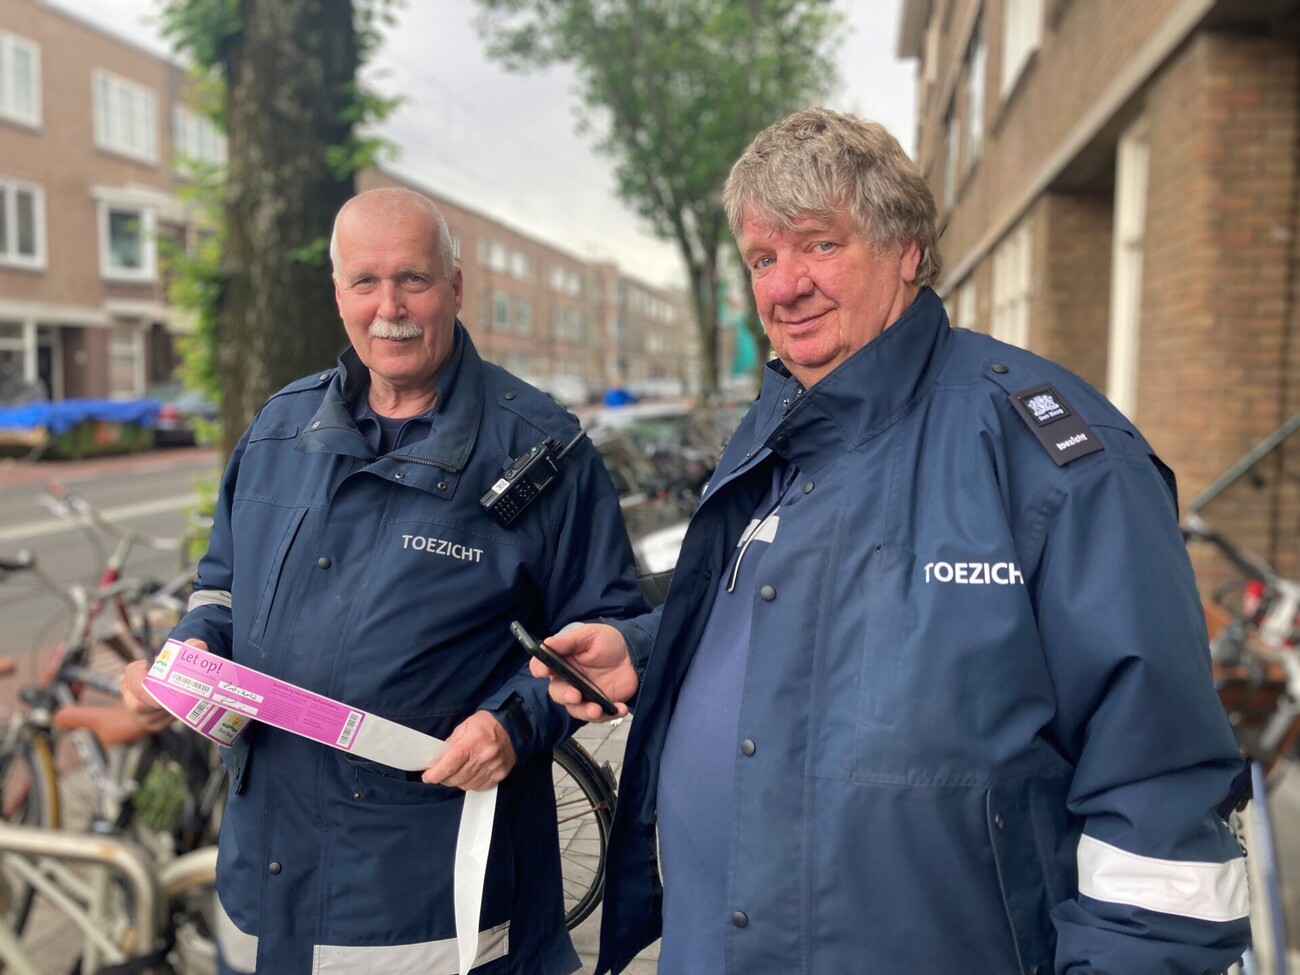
(129, 863)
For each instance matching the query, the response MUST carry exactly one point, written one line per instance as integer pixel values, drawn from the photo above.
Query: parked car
(180, 414)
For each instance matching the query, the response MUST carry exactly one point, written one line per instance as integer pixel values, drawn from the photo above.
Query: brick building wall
(1214, 87)
(1072, 319)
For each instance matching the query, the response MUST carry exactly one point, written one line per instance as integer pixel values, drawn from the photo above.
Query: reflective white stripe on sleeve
(210, 597)
(1204, 891)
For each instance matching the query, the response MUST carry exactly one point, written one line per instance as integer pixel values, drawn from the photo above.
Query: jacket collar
(867, 393)
(457, 412)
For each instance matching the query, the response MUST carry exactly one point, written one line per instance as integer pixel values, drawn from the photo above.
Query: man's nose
(788, 282)
(390, 301)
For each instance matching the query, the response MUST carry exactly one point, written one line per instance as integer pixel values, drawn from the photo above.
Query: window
(976, 58)
(1011, 287)
(494, 255)
(22, 224)
(125, 362)
(1126, 267)
(523, 317)
(1021, 32)
(566, 281)
(128, 245)
(126, 117)
(951, 144)
(500, 311)
(455, 246)
(14, 361)
(520, 266)
(196, 138)
(20, 80)
(569, 325)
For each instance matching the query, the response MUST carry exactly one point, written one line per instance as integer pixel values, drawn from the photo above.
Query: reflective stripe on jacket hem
(425, 958)
(1203, 891)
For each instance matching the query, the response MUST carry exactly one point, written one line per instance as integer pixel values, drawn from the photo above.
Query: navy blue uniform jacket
(379, 581)
(982, 733)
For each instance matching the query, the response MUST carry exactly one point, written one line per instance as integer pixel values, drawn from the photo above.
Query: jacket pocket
(266, 602)
(1024, 852)
(376, 783)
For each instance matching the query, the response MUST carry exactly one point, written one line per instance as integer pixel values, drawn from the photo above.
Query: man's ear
(458, 287)
(909, 261)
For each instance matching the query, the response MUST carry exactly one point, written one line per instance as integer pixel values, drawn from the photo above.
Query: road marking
(52, 526)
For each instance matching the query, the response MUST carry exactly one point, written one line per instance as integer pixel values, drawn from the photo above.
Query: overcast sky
(505, 144)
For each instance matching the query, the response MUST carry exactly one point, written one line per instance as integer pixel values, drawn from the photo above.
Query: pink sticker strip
(183, 675)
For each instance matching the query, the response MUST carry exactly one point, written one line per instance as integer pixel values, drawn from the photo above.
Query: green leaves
(681, 87)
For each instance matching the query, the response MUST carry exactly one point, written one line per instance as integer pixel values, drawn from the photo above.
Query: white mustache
(382, 328)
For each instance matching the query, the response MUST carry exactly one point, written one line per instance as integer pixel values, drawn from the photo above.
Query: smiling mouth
(798, 323)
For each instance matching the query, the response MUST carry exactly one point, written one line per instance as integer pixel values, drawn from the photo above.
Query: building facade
(1118, 186)
(97, 137)
(97, 143)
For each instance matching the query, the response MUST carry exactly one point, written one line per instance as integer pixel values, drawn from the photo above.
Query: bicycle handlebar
(72, 506)
(1195, 528)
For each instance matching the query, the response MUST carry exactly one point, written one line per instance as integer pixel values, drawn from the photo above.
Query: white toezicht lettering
(975, 573)
(1069, 442)
(440, 546)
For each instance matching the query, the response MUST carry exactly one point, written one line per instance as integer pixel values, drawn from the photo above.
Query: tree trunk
(291, 71)
(704, 294)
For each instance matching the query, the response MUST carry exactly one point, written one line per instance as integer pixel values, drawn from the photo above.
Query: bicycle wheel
(584, 804)
(28, 797)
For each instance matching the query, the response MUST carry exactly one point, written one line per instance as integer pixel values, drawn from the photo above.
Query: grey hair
(816, 162)
(390, 204)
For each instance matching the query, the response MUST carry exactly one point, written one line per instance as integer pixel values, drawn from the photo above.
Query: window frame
(107, 86)
(10, 188)
(148, 217)
(1022, 33)
(8, 73)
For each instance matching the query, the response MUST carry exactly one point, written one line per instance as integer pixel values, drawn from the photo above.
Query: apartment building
(96, 140)
(95, 137)
(1118, 186)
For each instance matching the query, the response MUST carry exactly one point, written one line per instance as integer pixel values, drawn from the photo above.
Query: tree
(684, 85)
(284, 74)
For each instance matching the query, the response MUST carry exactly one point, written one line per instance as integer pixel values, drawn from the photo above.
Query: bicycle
(584, 804)
(161, 790)
(1257, 674)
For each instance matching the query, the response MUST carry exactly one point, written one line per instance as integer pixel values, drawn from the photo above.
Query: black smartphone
(562, 668)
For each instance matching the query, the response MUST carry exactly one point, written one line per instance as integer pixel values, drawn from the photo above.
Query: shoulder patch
(1058, 428)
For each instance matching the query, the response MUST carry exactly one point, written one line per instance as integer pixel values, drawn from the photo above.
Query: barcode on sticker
(349, 729)
(198, 711)
(189, 683)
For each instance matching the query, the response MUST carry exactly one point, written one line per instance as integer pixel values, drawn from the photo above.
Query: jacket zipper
(406, 458)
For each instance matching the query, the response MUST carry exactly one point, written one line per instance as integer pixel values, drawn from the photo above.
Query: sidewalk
(605, 742)
(22, 473)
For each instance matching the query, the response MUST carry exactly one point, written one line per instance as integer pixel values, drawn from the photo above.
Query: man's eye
(761, 262)
(824, 245)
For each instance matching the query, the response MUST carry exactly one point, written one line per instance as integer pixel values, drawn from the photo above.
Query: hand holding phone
(562, 668)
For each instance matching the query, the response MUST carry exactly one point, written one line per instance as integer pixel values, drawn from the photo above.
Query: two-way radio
(525, 479)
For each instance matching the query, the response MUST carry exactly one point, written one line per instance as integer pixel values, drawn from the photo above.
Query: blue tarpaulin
(62, 416)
